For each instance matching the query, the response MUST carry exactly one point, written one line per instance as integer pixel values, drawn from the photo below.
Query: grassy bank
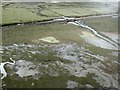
(27, 12)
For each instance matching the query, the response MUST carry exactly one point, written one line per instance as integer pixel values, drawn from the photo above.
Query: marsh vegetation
(65, 54)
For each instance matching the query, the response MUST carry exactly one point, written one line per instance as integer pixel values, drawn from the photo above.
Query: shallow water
(92, 39)
(95, 38)
(80, 59)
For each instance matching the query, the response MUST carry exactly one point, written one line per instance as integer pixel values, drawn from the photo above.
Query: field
(28, 12)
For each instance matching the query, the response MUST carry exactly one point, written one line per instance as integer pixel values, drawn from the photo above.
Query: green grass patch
(32, 33)
(27, 12)
(19, 15)
(47, 81)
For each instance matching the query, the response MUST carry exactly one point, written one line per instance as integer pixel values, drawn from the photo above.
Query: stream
(82, 24)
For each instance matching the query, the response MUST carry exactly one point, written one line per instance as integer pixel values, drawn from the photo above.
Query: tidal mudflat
(81, 53)
(78, 53)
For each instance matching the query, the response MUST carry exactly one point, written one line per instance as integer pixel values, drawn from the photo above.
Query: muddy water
(67, 55)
